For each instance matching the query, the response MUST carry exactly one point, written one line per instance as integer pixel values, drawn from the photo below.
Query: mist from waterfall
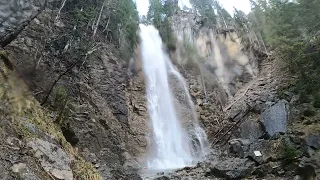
(172, 144)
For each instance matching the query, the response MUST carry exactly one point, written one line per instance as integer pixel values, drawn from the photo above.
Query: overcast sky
(243, 5)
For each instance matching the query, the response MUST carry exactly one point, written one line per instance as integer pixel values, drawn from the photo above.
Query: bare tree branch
(56, 81)
(107, 24)
(98, 21)
(62, 5)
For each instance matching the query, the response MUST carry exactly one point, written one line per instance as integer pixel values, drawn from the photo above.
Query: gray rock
(264, 147)
(23, 172)
(243, 148)
(105, 171)
(239, 147)
(130, 163)
(313, 141)
(35, 130)
(232, 168)
(297, 177)
(14, 142)
(274, 119)
(125, 175)
(12, 13)
(162, 178)
(306, 172)
(52, 158)
(310, 166)
(88, 156)
(251, 130)
(275, 136)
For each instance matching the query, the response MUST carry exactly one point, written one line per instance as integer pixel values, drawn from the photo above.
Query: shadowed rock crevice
(70, 135)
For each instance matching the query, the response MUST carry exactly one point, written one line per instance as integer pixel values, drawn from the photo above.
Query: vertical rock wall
(215, 50)
(106, 112)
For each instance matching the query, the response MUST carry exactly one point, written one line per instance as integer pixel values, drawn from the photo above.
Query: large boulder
(313, 141)
(23, 172)
(309, 167)
(125, 175)
(232, 168)
(251, 130)
(274, 119)
(239, 147)
(260, 151)
(52, 158)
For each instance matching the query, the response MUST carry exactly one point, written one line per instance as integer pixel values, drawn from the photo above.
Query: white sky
(243, 5)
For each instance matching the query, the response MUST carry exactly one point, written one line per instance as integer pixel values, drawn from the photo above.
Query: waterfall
(172, 145)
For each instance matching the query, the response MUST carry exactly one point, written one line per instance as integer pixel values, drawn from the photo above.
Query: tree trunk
(56, 81)
(98, 21)
(58, 15)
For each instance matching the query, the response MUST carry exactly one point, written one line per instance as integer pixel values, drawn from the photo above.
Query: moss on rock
(30, 120)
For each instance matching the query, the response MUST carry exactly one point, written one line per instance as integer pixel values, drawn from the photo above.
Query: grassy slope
(20, 106)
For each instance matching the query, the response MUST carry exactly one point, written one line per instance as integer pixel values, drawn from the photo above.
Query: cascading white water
(171, 145)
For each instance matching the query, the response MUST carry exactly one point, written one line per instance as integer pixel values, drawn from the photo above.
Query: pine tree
(205, 9)
(293, 30)
(155, 12)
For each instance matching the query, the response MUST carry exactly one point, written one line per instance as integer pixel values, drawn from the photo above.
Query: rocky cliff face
(102, 111)
(106, 116)
(14, 13)
(217, 50)
(236, 91)
(96, 111)
(215, 61)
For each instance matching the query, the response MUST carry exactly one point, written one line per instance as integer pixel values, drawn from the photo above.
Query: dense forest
(291, 31)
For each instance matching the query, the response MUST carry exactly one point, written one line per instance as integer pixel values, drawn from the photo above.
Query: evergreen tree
(159, 14)
(293, 30)
(115, 19)
(205, 9)
(155, 12)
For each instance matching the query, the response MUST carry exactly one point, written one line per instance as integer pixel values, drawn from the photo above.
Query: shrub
(61, 105)
(290, 152)
(302, 58)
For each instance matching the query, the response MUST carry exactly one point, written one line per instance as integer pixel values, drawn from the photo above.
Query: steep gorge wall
(107, 119)
(216, 62)
(218, 50)
(104, 113)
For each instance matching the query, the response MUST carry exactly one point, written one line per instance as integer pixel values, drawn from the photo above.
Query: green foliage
(303, 60)
(125, 19)
(62, 105)
(61, 94)
(292, 29)
(206, 10)
(190, 56)
(224, 18)
(190, 50)
(81, 18)
(159, 14)
(155, 12)
(289, 151)
(214, 14)
(118, 22)
(167, 35)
